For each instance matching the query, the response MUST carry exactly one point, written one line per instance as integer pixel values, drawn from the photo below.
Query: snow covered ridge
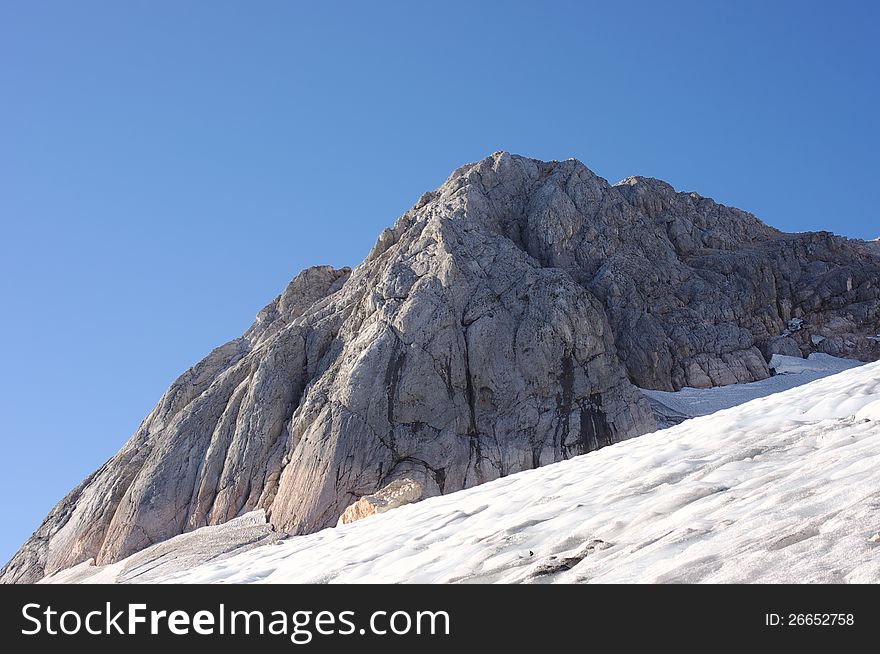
(789, 372)
(785, 488)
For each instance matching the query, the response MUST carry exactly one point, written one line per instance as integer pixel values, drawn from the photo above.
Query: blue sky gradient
(167, 167)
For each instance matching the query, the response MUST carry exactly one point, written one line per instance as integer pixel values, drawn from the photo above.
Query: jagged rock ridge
(500, 325)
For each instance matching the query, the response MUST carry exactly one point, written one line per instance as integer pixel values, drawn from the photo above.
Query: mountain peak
(504, 322)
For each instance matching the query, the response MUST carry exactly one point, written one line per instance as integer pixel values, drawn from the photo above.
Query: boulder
(392, 496)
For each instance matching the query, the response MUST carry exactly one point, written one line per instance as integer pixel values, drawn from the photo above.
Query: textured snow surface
(785, 488)
(790, 373)
(175, 554)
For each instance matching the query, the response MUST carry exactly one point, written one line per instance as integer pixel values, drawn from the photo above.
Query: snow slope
(785, 488)
(790, 373)
(175, 554)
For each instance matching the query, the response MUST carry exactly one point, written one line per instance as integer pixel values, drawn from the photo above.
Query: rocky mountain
(503, 323)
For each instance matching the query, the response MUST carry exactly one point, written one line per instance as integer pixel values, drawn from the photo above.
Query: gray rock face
(784, 345)
(500, 325)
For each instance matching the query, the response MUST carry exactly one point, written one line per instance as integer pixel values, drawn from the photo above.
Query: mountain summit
(503, 323)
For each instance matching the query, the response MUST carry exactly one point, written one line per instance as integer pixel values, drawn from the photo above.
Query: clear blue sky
(166, 167)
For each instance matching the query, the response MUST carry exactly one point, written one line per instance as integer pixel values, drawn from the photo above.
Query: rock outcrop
(178, 554)
(396, 494)
(503, 323)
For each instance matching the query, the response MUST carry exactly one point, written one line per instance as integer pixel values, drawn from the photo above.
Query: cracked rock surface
(501, 324)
